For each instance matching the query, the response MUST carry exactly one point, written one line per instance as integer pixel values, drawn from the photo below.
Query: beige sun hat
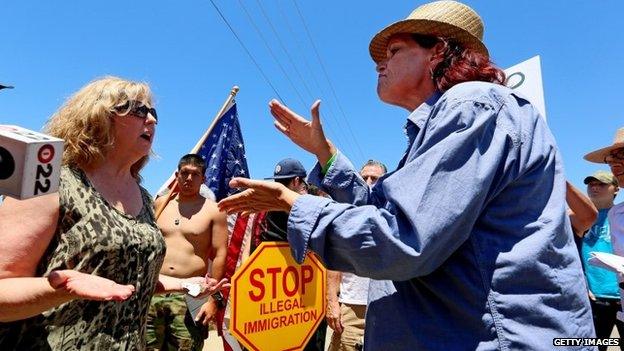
(599, 155)
(446, 19)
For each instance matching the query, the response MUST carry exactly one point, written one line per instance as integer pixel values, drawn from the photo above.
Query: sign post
(277, 304)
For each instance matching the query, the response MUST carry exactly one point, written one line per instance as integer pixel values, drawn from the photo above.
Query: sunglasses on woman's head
(138, 109)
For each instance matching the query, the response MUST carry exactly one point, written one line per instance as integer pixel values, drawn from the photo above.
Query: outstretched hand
(260, 196)
(90, 287)
(306, 134)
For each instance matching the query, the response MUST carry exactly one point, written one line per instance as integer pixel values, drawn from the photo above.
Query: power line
(266, 78)
(331, 86)
(328, 105)
(266, 44)
(279, 40)
(299, 47)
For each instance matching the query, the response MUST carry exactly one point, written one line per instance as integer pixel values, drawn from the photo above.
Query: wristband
(329, 163)
(218, 297)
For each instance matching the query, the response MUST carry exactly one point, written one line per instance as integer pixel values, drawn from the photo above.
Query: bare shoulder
(210, 209)
(28, 213)
(26, 228)
(159, 201)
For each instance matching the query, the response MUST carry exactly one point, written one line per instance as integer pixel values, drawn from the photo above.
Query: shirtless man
(195, 233)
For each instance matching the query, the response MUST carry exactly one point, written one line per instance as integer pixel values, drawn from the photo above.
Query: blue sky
(187, 54)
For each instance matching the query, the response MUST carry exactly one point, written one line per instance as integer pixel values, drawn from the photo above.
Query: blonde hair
(84, 121)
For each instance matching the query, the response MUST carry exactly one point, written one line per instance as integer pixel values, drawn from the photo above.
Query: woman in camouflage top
(78, 268)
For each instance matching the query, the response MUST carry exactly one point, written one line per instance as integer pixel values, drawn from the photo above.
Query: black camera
(7, 164)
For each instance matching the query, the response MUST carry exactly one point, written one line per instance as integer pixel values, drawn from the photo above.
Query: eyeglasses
(615, 155)
(137, 108)
(371, 177)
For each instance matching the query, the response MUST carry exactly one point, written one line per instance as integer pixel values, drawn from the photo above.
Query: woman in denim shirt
(468, 241)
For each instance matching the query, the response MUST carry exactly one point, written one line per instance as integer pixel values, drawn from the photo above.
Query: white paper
(192, 289)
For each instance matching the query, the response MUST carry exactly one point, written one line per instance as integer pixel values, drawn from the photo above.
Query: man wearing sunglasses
(613, 155)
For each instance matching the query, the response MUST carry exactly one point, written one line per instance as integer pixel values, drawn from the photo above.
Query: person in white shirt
(347, 294)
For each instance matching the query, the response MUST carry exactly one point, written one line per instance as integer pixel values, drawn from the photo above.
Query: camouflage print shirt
(94, 237)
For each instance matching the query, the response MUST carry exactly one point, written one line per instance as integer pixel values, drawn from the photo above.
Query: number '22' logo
(45, 155)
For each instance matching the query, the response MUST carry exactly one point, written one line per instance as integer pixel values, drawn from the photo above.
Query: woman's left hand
(259, 196)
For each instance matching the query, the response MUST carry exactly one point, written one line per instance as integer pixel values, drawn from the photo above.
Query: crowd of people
(466, 244)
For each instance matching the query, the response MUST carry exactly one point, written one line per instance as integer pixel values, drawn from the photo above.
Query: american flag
(223, 150)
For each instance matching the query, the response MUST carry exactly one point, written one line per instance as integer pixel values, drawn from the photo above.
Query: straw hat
(447, 19)
(599, 155)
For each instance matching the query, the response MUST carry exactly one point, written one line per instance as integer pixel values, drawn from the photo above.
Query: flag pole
(232, 95)
(171, 193)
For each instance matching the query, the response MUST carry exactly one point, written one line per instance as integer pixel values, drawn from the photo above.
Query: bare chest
(188, 221)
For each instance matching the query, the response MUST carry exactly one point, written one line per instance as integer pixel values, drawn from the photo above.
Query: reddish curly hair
(459, 64)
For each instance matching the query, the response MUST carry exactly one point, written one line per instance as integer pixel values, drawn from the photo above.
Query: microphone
(30, 162)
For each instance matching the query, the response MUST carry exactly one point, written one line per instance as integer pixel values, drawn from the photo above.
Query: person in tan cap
(602, 285)
(467, 241)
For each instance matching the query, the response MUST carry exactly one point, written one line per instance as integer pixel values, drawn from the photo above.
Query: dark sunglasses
(136, 108)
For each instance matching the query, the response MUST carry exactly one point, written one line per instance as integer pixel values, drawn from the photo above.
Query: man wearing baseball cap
(292, 174)
(467, 240)
(602, 187)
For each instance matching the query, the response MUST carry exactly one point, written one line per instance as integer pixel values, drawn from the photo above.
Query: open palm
(89, 287)
(259, 196)
(306, 134)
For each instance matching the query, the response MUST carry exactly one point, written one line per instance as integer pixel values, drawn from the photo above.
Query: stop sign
(277, 304)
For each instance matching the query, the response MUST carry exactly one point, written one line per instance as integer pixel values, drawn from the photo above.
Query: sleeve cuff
(301, 221)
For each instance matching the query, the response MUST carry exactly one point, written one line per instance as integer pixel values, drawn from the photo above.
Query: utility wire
(266, 44)
(279, 40)
(266, 78)
(340, 138)
(331, 86)
(299, 47)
